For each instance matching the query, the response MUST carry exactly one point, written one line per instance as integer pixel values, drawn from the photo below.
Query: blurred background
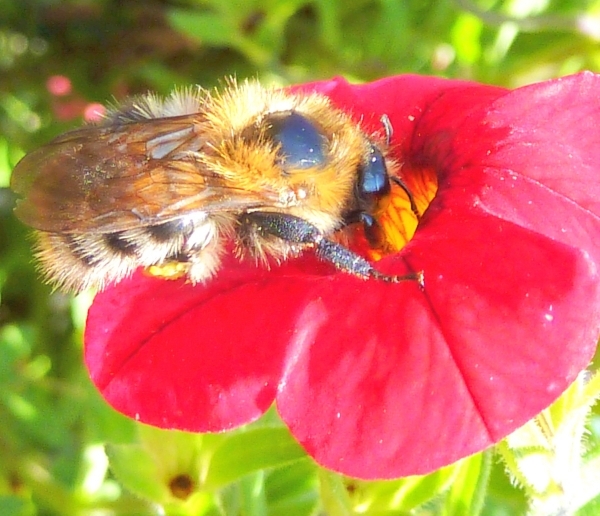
(61, 61)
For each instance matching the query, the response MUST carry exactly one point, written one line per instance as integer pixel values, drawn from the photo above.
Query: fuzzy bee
(164, 184)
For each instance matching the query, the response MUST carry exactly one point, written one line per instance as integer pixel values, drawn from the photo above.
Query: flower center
(395, 215)
(182, 486)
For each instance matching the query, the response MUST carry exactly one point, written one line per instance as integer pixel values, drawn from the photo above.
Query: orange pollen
(170, 270)
(395, 215)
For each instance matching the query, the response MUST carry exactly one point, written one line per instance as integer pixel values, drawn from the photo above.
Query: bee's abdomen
(167, 230)
(119, 243)
(76, 261)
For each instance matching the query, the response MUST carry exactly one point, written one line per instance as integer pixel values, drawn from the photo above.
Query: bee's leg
(296, 230)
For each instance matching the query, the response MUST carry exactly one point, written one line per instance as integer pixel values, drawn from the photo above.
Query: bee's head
(302, 144)
(373, 181)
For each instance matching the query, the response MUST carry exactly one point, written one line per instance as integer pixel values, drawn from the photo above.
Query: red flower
(382, 380)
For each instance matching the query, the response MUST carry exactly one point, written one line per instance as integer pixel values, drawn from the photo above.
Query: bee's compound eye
(302, 145)
(374, 181)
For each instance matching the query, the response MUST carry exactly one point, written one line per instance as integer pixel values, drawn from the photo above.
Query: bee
(164, 184)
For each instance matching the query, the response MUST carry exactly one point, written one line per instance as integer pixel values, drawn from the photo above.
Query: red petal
(401, 382)
(511, 306)
(193, 358)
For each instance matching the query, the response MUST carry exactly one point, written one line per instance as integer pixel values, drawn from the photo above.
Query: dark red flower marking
(380, 380)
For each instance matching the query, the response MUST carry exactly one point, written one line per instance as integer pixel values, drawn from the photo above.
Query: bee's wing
(117, 177)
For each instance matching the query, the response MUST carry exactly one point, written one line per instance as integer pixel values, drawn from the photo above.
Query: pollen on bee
(172, 270)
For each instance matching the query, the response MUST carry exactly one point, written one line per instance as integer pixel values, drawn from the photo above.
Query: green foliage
(547, 456)
(247, 470)
(53, 424)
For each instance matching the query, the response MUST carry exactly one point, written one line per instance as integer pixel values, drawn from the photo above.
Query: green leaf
(334, 494)
(465, 36)
(291, 490)
(468, 490)
(592, 508)
(137, 470)
(254, 501)
(402, 496)
(250, 451)
(590, 472)
(546, 455)
(207, 28)
(15, 506)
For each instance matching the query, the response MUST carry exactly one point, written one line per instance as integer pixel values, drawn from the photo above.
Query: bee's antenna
(389, 129)
(411, 198)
